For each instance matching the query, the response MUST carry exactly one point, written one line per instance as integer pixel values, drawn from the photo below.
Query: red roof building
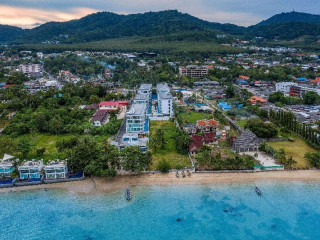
(113, 105)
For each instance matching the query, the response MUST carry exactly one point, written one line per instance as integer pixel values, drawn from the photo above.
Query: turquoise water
(286, 211)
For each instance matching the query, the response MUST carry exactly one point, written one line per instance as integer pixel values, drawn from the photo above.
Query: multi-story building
(30, 68)
(30, 170)
(193, 71)
(165, 100)
(136, 118)
(285, 87)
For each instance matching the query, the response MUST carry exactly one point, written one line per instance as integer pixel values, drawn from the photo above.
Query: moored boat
(258, 191)
(128, 194)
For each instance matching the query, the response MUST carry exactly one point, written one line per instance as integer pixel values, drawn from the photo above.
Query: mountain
(9, 33)
(291, 17)
(106, 25)
(169, 25)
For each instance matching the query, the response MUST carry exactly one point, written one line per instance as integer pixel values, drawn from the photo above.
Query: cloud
(28, 17)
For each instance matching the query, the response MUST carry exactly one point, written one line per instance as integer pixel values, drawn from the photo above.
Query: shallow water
(285, 211)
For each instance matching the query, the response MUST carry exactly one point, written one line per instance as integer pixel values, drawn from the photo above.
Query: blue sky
(30, 13)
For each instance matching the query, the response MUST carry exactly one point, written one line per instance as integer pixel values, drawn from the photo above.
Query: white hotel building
(165, 100)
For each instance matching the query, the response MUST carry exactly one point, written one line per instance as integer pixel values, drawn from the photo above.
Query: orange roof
(255, 99)
(201, 122)
(213, 122)
(244, 77)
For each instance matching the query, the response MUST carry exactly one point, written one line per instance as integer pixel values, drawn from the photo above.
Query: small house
(56, 170)
(30, 170)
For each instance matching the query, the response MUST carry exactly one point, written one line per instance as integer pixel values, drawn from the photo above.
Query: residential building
(6, 166)
(136, 121)
(193, 71)
(30, 68)
(113, 105)
(257, 100)
(246, 142)
(100, 118)
(285, 87)
(30, 170)
(56, 170)
(165, 100)
(133, 139)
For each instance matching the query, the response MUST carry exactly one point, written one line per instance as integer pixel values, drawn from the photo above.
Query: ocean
(229, 211)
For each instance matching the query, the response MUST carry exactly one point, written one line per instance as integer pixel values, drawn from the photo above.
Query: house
(207, 126)
(194, 147)
(246, 142)
(113, 105)
(31, 170)
(190, 128)
(100, 118)
(210, 138)
(257, 100)
(93, 106)
(56, 170)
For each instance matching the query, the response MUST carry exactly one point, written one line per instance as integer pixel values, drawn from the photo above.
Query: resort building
(165, 100)
(6, 166)
(142, 98)
(133, 139)
(56, 170)
(145, 89)
(136, 121)
(30, 170)
(246, 142)
(194, 71)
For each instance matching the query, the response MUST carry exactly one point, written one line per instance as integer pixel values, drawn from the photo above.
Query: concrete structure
(136, 118)
(30, 68)
(56, 170)
(133, 139)
(193, 71)
(30, 170)
(165, 100)
(285, 87)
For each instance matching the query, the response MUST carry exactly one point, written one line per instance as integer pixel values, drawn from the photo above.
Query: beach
(100, 185)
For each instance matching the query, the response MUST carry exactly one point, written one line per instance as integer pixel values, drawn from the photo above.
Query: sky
(31, 13)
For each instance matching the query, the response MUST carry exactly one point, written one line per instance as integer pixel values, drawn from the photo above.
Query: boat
(177, 174)
(258, 191)
(128, 194)
(183, 174)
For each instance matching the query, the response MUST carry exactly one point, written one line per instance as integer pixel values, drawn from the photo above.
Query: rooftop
(137, 109)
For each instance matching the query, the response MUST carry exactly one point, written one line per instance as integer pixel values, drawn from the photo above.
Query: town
(74, 114)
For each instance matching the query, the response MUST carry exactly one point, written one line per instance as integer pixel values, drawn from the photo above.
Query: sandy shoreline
(100, 185)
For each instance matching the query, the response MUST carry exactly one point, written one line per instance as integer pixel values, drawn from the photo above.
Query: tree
(313, 158)
(40, 151)
(230, 92)
(17, 78)
(204, 157)
(24, 147)
(135, 160)
(182, 141)
(261, 129)
(158, 140)
(311, 98)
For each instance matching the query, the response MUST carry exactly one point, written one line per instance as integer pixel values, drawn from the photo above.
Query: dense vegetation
(9, 33)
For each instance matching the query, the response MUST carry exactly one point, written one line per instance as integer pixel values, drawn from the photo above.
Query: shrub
(164, 166)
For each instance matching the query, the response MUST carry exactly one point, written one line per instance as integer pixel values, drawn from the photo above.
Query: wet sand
(101, 185)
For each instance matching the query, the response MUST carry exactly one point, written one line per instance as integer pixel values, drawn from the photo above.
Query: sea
(286, 210)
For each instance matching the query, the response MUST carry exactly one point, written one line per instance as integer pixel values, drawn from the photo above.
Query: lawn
(296, 150)
(170, 152)
(193, 117)
(48, 142)
(242, 123)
